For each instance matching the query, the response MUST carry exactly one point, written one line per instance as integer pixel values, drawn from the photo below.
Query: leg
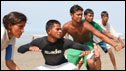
(112, 57)
(80, 64)
(89, 61)
(91, 64)
(97, 57)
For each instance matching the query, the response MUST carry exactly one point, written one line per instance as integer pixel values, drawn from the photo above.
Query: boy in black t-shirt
(53, 47)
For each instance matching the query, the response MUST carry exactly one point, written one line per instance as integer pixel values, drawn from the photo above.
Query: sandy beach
(30, 60)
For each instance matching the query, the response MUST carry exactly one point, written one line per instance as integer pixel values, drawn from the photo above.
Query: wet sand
(30, 60)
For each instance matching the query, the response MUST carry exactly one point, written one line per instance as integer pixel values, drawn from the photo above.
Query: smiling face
(17, 29)
(55, 31)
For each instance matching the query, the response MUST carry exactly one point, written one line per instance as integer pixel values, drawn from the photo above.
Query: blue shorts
(103, 45)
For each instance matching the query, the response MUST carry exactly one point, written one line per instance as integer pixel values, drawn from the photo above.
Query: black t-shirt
(53, 52)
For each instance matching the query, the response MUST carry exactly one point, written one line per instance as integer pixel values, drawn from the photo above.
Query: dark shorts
(103, 45)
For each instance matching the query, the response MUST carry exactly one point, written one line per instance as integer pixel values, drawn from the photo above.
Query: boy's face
(55, 31)
(89, 17)
(77, 16)
(105, 19)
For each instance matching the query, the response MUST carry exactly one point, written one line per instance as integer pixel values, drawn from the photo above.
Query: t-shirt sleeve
(9, 52)
(24, 48)
(98, 27)
(10, 49)
(36, 42)
(71, 44)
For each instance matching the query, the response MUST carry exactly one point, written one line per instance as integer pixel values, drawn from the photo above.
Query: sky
(39, 12)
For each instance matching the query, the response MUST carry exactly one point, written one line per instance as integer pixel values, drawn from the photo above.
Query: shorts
(63, 66)
(73, 57)
(104, 46)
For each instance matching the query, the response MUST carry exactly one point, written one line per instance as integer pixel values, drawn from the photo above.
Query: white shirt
(107, 28)
(7, 43)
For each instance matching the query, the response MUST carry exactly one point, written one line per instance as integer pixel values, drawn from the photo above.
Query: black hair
(51, 23)
(88, 11)
(75, 8)
(104, 13)
(13, 18)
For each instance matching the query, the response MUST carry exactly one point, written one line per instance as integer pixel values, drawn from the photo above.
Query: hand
(115, 39)
(119, 45)
(96, 50)
(17, 68)
(85, 53)
(121, 42)
(34, 48)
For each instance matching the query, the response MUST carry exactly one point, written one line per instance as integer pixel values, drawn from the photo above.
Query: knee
(110, 51)
(90, 61)
(81, 62)
(97, 54)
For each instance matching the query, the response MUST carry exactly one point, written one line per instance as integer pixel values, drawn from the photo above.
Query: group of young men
(83, 48)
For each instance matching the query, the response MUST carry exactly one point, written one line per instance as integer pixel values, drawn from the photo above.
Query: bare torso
(79, 33)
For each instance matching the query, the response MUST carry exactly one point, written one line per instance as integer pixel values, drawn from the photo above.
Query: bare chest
(79, 34)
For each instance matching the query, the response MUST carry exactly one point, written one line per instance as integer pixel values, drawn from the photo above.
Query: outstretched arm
(24, 48)
(71, 44)
(33, 46)
(110, 36)
(89, 27)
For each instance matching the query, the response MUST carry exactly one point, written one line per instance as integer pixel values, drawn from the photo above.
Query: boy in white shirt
(108, 28)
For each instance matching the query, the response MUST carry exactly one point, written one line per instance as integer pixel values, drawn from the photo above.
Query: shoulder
(13, 40)
(3, 30)
(40, 38)
(41, 41)
(98, 21)
(86, 24)
(67, 40)
(94, 23)
(4, 34)
(108, 24)
(67, 24)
